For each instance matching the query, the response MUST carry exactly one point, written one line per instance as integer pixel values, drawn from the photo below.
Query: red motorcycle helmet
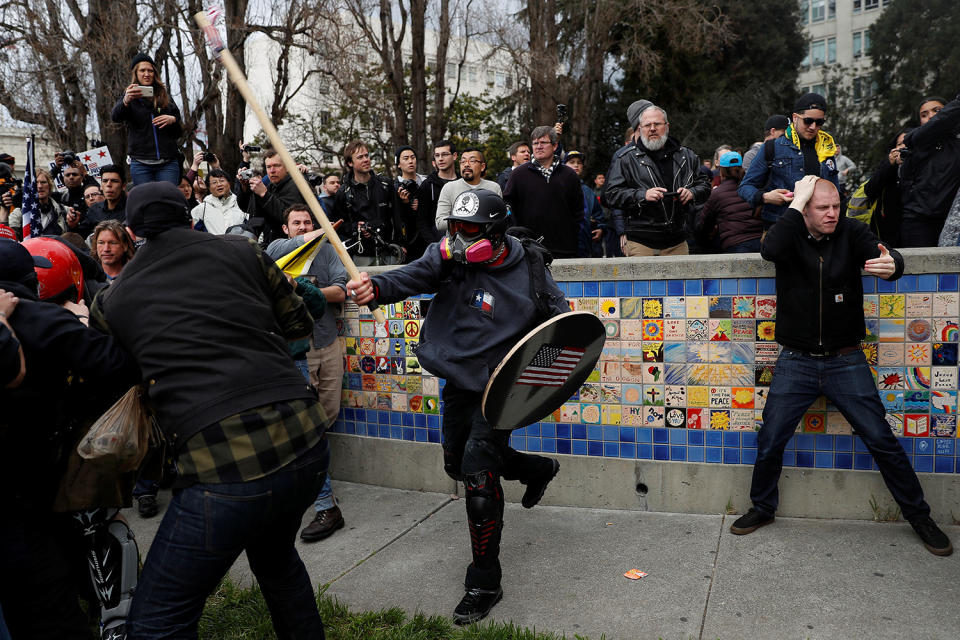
(64, 279)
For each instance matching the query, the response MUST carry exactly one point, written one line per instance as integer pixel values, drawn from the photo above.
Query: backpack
(860, 207)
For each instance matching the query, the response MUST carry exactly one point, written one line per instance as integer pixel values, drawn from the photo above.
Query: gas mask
(467, 246)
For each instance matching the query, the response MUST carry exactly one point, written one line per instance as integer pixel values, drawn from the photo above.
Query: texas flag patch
(483, 300)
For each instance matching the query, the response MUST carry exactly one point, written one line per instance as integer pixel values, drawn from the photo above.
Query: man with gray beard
(654, 183)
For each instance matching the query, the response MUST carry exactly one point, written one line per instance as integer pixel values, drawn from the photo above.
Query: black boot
(476, 604)
(484, 502)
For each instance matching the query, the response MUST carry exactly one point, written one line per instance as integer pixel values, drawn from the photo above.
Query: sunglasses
(467, 228)
(817, 121)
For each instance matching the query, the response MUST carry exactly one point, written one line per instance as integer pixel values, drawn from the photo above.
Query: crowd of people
(244, 386)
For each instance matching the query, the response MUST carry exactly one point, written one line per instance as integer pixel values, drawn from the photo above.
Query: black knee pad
(451, 464)
(484, 496)
(480, 456)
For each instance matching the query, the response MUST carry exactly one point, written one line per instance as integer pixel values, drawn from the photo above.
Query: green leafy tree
(915, 54)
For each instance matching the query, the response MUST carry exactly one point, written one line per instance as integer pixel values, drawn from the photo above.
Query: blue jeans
(141, 173)
(325, 497)
(205, 529)
(750, 246)
(798, 380)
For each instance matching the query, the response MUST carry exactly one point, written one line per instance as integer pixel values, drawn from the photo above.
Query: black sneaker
(147, 505)
(538, 487)
(323, 526)
(750, 522)
(935, 540)
(476, 604)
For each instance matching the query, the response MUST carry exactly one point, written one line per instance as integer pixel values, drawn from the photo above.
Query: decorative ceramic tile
(871, 352)
(916, 425)
(675, 352)
(570, 412)
(943, 426)
(720, 330)
(919, 330)
(763, 375)
(814, 423)
(837, 424)
(945, 304)
(631, 329)
(632, 393)
(675, 373)
(431, 386)
(611, 328)
(652, 373)
(741, 420)
(698, 374)
(697, 420)
(698, 396)
(653, 395)
(720, 375)
(945, 330)
(743, 353)
(697, 307)
(632, 415)
(395, 328)
(919, 305)
(744, 307)
(871, 305)
(610, 371)
(943, 378)
(767, 352)
(871, 329)
(675, 307)
(766, 330)
(631, 371)
(895, 420)
(742, 330)
(590, 393)
(610, 308)
(676, 418)
(719, 419)
(720, 306)
(653, 307)
(697, 330)
(698, 351)
(766, 307)
(653, 351)
(590, 413)
(916, 401)
(918, 377)
(611, 414)
(720, 397)
(891, 329)
(590, 305)
(675, 329)
(917, 353)
(653, 416)
(890, 354)
(944, 354)
(943, 401)
(653, 329)
(892, 305)
(675, 396)
(719, 351)
(890, 378)
(760, 397)
(414, 384)
(631, 307)
(892, 401)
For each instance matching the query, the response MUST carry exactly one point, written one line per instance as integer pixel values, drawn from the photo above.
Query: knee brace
(451, 463)
(484, 502)
(113, 558)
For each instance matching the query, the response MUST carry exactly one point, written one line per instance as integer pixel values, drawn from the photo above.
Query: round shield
(543, 370)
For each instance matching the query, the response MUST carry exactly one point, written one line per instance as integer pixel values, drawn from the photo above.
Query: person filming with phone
(153, 124)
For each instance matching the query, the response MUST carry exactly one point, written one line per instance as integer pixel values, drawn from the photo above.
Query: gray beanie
(634, 111)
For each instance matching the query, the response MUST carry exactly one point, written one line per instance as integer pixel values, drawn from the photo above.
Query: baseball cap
(776, 122)
(810, 101)
(16, 263)
(572, 154)
(730, 159)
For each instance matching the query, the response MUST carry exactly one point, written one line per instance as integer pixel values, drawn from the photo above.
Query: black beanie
(142, 57)
(154, 207)
(400, 150)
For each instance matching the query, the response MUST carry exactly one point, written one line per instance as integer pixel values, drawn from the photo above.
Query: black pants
(480, 455)
(920, 231)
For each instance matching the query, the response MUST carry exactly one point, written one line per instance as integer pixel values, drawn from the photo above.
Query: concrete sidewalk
(563, 570)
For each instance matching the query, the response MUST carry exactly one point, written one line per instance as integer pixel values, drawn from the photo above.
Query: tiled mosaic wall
(685, 373)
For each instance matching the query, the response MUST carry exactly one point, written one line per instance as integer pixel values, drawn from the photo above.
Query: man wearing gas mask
(490, 290)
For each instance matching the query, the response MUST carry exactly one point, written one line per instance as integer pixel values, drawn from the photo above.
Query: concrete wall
(623, 458)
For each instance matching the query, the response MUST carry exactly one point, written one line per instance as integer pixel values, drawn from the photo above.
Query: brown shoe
(323, 525)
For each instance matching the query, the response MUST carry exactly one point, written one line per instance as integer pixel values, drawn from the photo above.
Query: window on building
(871, 4)
(804, 11)
(831, 50)
(817, 53)
(509, 81)
(804, 90)
(806, 60)
(817, 10)
(490, 77)
(831, 9)
(866, 43)
(473, 74)
(820, 89)
(431, 62)
(451, 70)
(324, 118)
(857, 6)
(328, 158)
(857, 44)
(501, 81)
(857, 90)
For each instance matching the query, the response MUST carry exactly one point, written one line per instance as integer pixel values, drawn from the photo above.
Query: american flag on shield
(31, 200)
(551, 366)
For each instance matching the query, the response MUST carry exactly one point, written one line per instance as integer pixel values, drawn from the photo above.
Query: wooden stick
(238, 78)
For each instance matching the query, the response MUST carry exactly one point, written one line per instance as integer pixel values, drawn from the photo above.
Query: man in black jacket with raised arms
(818, 256)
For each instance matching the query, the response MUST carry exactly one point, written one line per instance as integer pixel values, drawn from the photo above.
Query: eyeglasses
(817, 121)
(90, 196)
(470, 161)
(652, 125)
(541, 143)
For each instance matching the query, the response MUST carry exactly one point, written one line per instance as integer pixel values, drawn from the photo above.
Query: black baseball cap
(776, 122)
(810, 101)
(16, 263)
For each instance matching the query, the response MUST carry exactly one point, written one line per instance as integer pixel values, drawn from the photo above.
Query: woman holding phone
(153, 125)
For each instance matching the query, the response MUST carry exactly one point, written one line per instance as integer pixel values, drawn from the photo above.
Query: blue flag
(31, 201)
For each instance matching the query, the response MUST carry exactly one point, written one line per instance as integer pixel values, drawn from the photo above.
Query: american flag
(31, 201)
(551, 367)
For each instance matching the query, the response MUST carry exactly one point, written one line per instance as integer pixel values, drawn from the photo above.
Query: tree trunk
(437, 125)
(418, 82)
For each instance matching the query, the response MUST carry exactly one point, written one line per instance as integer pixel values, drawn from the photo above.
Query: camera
(410, 186)
(209, 157)
(251, 148)
(247, 174)
(69, 157)
(561, 113)
(313, 179)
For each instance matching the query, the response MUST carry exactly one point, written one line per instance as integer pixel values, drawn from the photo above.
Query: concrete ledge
(741, 265)
(643, 485)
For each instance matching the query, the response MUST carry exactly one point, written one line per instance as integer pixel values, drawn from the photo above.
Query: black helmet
(478, 205)
(484, 209)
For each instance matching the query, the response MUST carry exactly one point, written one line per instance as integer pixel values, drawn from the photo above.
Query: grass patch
(235, 613)
(883, 514)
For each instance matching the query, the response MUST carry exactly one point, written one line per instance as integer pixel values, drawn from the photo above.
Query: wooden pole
(238, 78)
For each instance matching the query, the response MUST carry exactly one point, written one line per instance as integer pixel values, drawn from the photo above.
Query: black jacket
(930, 174)
(819, 289)
(98, 213)
(427, 199)
(883, 187)
(144, 140)
(552, 209)
(655, 224)
(212, 341)
(41, 417)
(370, 202)
(271, 206)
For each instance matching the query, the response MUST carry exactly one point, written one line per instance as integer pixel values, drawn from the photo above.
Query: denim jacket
(782, 172)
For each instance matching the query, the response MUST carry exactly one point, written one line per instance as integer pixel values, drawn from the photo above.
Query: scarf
(824, 144)
(546, 171)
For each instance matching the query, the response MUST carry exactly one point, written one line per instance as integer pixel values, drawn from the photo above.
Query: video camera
(410, 186)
